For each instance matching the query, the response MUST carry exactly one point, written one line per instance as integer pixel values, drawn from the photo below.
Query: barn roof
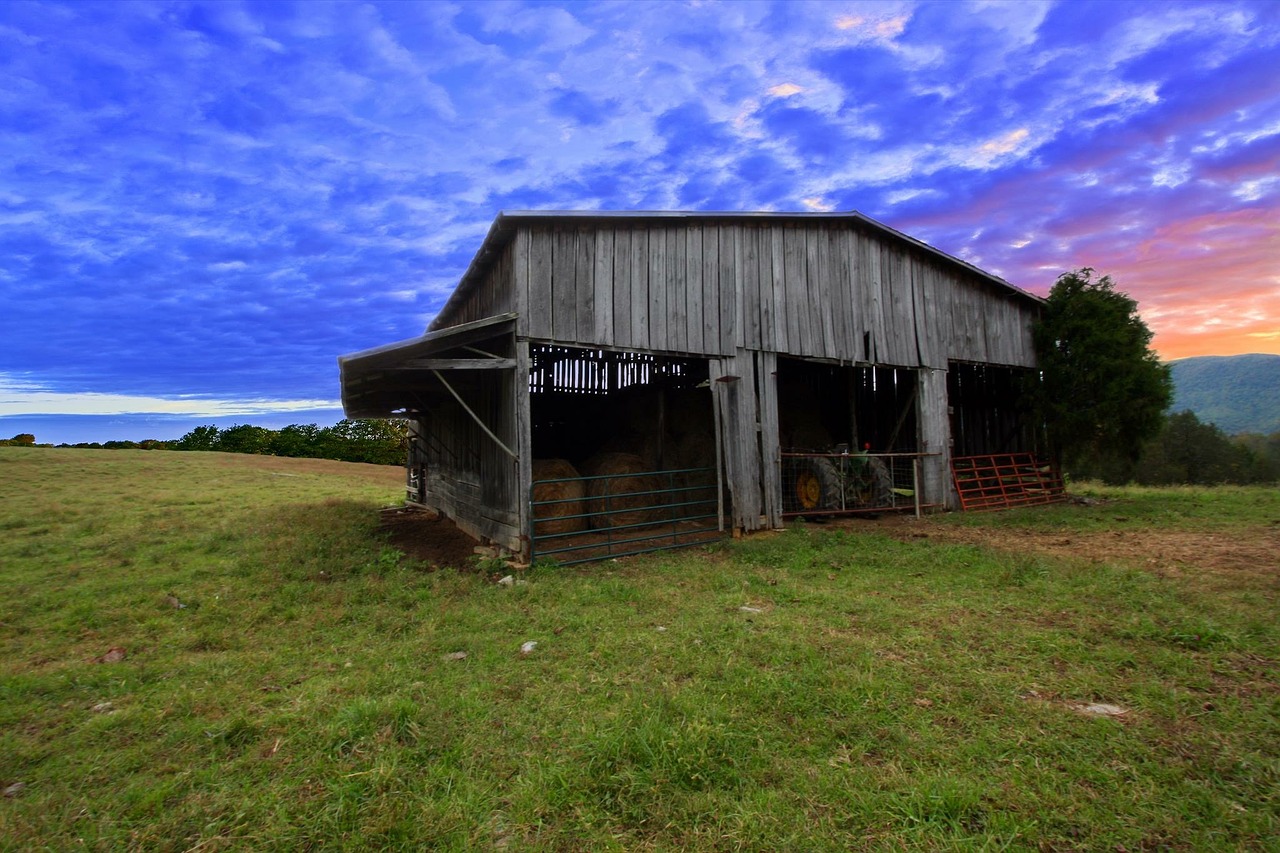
(506, 223)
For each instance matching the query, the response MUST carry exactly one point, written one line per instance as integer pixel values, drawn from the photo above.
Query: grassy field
(206, 652)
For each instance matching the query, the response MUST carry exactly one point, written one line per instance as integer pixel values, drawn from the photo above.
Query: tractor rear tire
(809, 484)
(876, 488)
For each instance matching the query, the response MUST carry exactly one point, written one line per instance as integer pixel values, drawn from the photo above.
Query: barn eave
(386, 381)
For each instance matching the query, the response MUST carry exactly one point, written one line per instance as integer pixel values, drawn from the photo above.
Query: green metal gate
(618, 515)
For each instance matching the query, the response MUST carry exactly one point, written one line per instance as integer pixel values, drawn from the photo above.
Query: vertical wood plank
(728, 277)
(584, 274)
(693, 291)
(815, 287)
(640, 288)
(677, 320)
(748, 264)
(764, 271)
(926, 338)
(904, 318)
(875, 310)
(781, 310)
(603, 285)
(799, 336)
(657, 264)
(564, 313)
(622, 335)
(838, 251)
(520, 277)
(540, 295)
(712, 340)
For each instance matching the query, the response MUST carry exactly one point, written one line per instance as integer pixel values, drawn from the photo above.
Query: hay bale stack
(616, 494)
(550, 520)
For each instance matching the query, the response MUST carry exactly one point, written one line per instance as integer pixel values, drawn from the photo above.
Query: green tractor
(836, 480)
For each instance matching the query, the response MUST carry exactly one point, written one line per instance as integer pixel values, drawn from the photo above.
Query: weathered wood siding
(820, 290)
(469, 477)
(738, 292)
(495, 294)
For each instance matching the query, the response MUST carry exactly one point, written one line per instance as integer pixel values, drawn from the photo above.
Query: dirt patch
(1245, 551)
(428, 537)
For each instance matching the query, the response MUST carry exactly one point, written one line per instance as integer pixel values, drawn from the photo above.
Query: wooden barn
(605, 383)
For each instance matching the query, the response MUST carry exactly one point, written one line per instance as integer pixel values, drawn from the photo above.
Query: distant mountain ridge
(1238, 393)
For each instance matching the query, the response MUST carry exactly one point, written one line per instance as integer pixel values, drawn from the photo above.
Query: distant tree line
(1188, 452)
(377, 442)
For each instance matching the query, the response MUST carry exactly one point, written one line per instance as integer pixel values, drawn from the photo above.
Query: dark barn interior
(823, 405)
(585, 402)
(990, 411)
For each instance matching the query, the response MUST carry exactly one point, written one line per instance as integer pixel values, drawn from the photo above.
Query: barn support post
(716, 418)
(734, 387)
(935, 436)
(524, 449)
(770, 449)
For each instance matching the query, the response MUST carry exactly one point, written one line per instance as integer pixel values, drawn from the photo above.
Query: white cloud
(20, 397)
(899, 196)
(1019, 21)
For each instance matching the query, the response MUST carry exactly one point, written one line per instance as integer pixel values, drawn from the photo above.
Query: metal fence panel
(816, 484)
(623, 514)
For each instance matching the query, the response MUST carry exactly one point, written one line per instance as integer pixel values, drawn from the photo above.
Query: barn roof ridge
(502, 230)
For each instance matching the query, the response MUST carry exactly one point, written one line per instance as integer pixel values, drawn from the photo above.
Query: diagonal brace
(474, 416)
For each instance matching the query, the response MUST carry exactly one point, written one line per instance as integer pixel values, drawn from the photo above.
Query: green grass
(876, 693)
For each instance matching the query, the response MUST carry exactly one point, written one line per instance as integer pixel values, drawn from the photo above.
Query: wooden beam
(455, 364)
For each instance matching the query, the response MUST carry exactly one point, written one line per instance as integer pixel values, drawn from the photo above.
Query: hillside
(1238, 393)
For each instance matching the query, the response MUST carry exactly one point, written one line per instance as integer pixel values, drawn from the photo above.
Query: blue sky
(203, 204)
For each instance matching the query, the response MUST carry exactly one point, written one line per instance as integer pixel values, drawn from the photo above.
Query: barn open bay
(248, 664)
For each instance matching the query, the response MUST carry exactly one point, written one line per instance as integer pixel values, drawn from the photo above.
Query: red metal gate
(1004, 480)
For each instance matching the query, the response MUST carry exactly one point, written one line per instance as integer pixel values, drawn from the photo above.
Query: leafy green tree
(1266, 448)
(297, 440)
(200, 438)
(1103, 392)
(380, 442)
(1194, 453)
(245, 438)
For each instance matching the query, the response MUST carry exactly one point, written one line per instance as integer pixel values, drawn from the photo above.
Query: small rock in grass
(1098, 709)
(115, 654)
(507, 581)
(103, 708)
(172, 601)
(662, 629)
(746, 609)
(527, 648)
(15, 789)
(454, 656)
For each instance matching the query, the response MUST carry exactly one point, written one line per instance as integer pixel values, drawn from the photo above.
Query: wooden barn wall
(495, 294)
(469, 477)
(815, 290)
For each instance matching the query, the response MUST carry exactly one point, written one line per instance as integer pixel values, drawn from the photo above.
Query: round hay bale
(612, 500)
(550, 520)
